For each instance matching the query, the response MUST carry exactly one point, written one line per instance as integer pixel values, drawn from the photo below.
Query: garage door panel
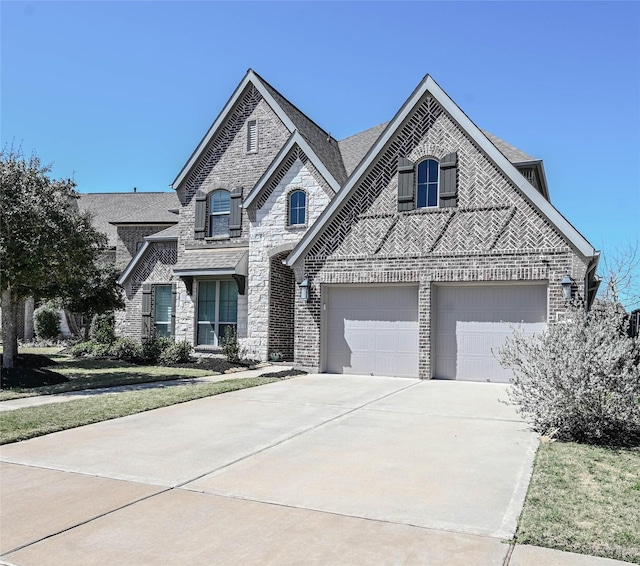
(372, 330)
(472, 322)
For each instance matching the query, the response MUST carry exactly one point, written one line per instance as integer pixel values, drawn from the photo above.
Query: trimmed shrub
(176, 353)
(101, 350)
(126, 349)
(82, 349)
(152, 349)
(230, 346)
(46, 322)
(102, 328)
(579, 380)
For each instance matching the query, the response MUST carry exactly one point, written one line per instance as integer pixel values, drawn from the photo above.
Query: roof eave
(429, 85)
(294, 139)
(250, 77)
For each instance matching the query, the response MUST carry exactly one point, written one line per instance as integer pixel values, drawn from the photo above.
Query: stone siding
(493, 234)
(270, 234)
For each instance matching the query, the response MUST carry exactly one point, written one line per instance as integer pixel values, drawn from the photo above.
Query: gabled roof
(321, 143)
(109, 208)
(294, 139)
(355, 147)
(481, 140)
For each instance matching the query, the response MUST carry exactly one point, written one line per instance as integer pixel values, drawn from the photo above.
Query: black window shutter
(201, 216)
(406, 184)
(146, 311)
(235, 214)
(174, 292)
(449, 180)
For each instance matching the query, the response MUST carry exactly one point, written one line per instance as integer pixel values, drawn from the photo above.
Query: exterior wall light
(566, 283)
(304, 289)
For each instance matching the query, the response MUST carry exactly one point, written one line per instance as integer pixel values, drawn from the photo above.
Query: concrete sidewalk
(13, 404)
(317, 469)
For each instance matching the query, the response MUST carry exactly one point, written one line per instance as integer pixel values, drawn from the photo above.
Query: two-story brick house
(405, 250)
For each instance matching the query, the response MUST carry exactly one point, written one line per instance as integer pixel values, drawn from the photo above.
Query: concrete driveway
(319, 469)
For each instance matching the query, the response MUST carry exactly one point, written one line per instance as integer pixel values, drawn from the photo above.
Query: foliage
(46, 322)
(230, 345)
(126, 349)
(176, 353)
(152, 349)
(621, 280)
(82, 349)
(98, 295)
(579, 380)
(103, 328)
(48, 248)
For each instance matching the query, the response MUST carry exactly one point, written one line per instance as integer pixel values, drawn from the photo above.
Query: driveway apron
(319, 469)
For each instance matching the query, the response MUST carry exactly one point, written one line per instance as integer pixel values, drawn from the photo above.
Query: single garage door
(473, 320)
(371, 330)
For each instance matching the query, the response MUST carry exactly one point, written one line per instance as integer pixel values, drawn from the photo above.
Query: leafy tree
(580, 379)
(47, 246)
(96, 294)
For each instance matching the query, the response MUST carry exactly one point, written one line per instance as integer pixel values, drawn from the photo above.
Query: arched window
(427, 184)
(297, 208)
(219, 207)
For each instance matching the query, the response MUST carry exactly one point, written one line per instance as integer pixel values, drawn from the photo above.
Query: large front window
(219, 207)
(162, 310)
(427, 193)
(217, 310)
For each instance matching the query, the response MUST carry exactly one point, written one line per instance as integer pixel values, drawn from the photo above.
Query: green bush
(126, 349)
(102, 329)
(152, 349)
(46, 322)
(580, 379)
(82, 349)
(176, 353)
(101, 350)
(230, 346)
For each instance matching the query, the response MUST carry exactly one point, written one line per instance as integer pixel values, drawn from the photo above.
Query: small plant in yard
(126, 349)
(82, 349)
(176, 353)
(152, 349)
(580, 379)
(102, 329)
(46, 322)
(230, 345)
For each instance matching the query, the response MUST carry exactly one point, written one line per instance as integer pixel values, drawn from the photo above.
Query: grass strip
(94, 374)
(584, 499)
(30, 422)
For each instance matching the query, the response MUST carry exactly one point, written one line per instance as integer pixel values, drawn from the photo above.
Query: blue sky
(118, 94)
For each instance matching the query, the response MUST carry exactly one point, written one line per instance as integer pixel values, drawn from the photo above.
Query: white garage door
(471, 321)
(372, 330)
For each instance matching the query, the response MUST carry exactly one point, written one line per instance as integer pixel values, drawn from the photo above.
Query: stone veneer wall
(269, 234)
(493, 234)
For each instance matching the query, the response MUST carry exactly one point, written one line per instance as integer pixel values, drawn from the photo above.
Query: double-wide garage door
(373, 330)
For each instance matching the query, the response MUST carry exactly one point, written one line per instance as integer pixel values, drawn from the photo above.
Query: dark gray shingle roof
(113, 207)
(325, 147)
(355, 147)
(210, 259)
(512, 153)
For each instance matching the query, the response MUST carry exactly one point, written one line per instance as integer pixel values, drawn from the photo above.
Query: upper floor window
(427, 183)
(219, 208)
(252, 136)
(297, 208)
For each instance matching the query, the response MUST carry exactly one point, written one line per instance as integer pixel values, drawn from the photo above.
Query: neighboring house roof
(170, 233)
(220, 261)
(511, 152)
(354, 148)
(482, 141)
(108, 207)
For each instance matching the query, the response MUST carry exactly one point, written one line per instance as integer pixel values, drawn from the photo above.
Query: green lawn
(92, 374)
(30, 422)
(584, 499)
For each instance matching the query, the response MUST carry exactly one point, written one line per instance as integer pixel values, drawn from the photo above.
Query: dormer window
(219, 208)
(252, 136)
(427, 183)
(297, 208)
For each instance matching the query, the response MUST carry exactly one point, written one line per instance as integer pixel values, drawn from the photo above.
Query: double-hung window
(163, 300)
(297, 208)
(219, 208)
(217, 310)
(427, 184)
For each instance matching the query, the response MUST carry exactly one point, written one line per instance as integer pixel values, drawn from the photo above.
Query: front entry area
(371, 330)
(473, 321)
